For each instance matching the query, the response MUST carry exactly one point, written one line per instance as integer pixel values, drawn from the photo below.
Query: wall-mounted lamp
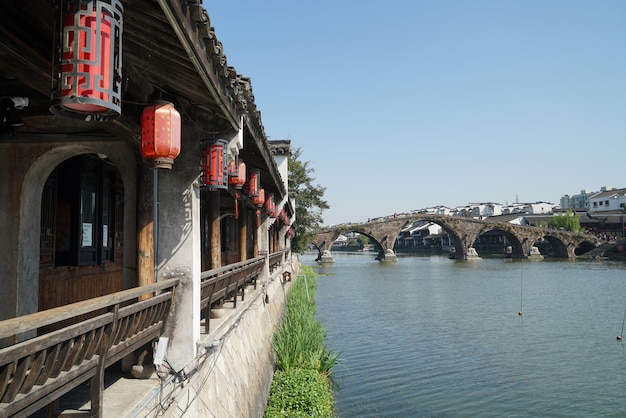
(8, 106)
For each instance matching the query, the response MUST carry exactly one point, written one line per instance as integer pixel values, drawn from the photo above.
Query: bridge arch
(463, 233)
(516, 244)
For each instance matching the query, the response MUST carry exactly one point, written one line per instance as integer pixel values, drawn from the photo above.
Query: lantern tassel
(236, 206)
(258, 218)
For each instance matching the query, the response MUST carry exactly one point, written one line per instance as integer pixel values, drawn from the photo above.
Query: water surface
(430, 336)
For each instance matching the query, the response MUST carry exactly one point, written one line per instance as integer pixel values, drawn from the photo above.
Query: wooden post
(145, 226)
(243, 233)
(215, 230)
(255, 242)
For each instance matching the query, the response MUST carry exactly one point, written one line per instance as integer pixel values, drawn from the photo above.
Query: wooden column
(215, 230)
(255, 243)
(243, 232)
(145, 225)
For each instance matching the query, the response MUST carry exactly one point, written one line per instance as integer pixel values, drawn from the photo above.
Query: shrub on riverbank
(301, 386)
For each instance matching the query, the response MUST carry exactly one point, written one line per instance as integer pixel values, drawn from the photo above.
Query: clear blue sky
(405, 104)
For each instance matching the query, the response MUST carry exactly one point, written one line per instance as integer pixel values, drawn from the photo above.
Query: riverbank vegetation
(302, 384)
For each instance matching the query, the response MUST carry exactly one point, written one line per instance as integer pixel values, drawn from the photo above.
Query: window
(85, 211)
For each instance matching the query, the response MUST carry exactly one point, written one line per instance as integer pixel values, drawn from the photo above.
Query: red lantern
(259, 199)
(90, 77)
(160, 135)
(214, 165)
(269, 206)
(237, 174)
(254, 182)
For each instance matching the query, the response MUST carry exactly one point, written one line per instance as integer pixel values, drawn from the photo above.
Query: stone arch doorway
(36, 233)
(81, 231)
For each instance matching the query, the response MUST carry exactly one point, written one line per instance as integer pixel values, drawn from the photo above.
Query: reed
(302, 385)
(299, 342)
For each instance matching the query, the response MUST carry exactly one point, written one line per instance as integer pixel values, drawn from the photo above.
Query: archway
(32, 237)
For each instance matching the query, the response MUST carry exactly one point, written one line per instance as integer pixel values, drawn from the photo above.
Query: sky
(400, 105)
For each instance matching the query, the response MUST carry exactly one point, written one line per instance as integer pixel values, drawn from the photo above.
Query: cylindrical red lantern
(160, 135)
(237, 174)
(253, 182)
(214, 165)
(259, 199)
(90, 78)
(269, 206)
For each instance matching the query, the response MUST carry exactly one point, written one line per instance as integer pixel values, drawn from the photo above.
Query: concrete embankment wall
(234, 367)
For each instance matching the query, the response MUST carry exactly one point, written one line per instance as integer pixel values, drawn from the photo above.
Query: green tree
(363, 240)
(310, 201)
(568, 221)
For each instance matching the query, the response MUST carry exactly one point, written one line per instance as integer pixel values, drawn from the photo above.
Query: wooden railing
(275, 259)
(35, 372)
(224, 283)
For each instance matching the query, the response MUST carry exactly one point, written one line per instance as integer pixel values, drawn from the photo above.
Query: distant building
(421, 233)
(608, 199)
(538, 208)
(577, 201)
(479, 210)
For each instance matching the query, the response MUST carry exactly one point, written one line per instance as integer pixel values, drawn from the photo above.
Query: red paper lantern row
(253, 183)
(237, 174)
(90, 78)
(214, 165)
(160, 135)
(259, 199)
(270, 206)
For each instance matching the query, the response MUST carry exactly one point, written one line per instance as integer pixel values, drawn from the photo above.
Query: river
(435, 337)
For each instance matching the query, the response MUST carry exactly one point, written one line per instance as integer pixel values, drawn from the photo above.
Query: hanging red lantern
(253, 182)
(269, 206)
(259, 199)
(237, 173)
(214, 165)
(160, 135)
(90, 54)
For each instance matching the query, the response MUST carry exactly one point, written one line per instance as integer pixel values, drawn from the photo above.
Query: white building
(608, 199)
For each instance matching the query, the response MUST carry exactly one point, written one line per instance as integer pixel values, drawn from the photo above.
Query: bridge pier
(389, 255)
(534, 254)
(326, 257)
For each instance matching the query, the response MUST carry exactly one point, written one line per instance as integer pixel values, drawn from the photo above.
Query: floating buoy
(619, 337)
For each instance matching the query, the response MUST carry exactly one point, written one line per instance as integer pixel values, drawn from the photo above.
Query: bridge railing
(39, 370)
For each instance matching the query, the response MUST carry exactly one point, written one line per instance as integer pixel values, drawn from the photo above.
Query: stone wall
(233, 371)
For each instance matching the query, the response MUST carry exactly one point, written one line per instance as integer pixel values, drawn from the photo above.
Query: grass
(302, 382)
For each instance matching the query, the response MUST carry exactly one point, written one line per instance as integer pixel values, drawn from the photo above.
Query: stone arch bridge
(463, 233)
